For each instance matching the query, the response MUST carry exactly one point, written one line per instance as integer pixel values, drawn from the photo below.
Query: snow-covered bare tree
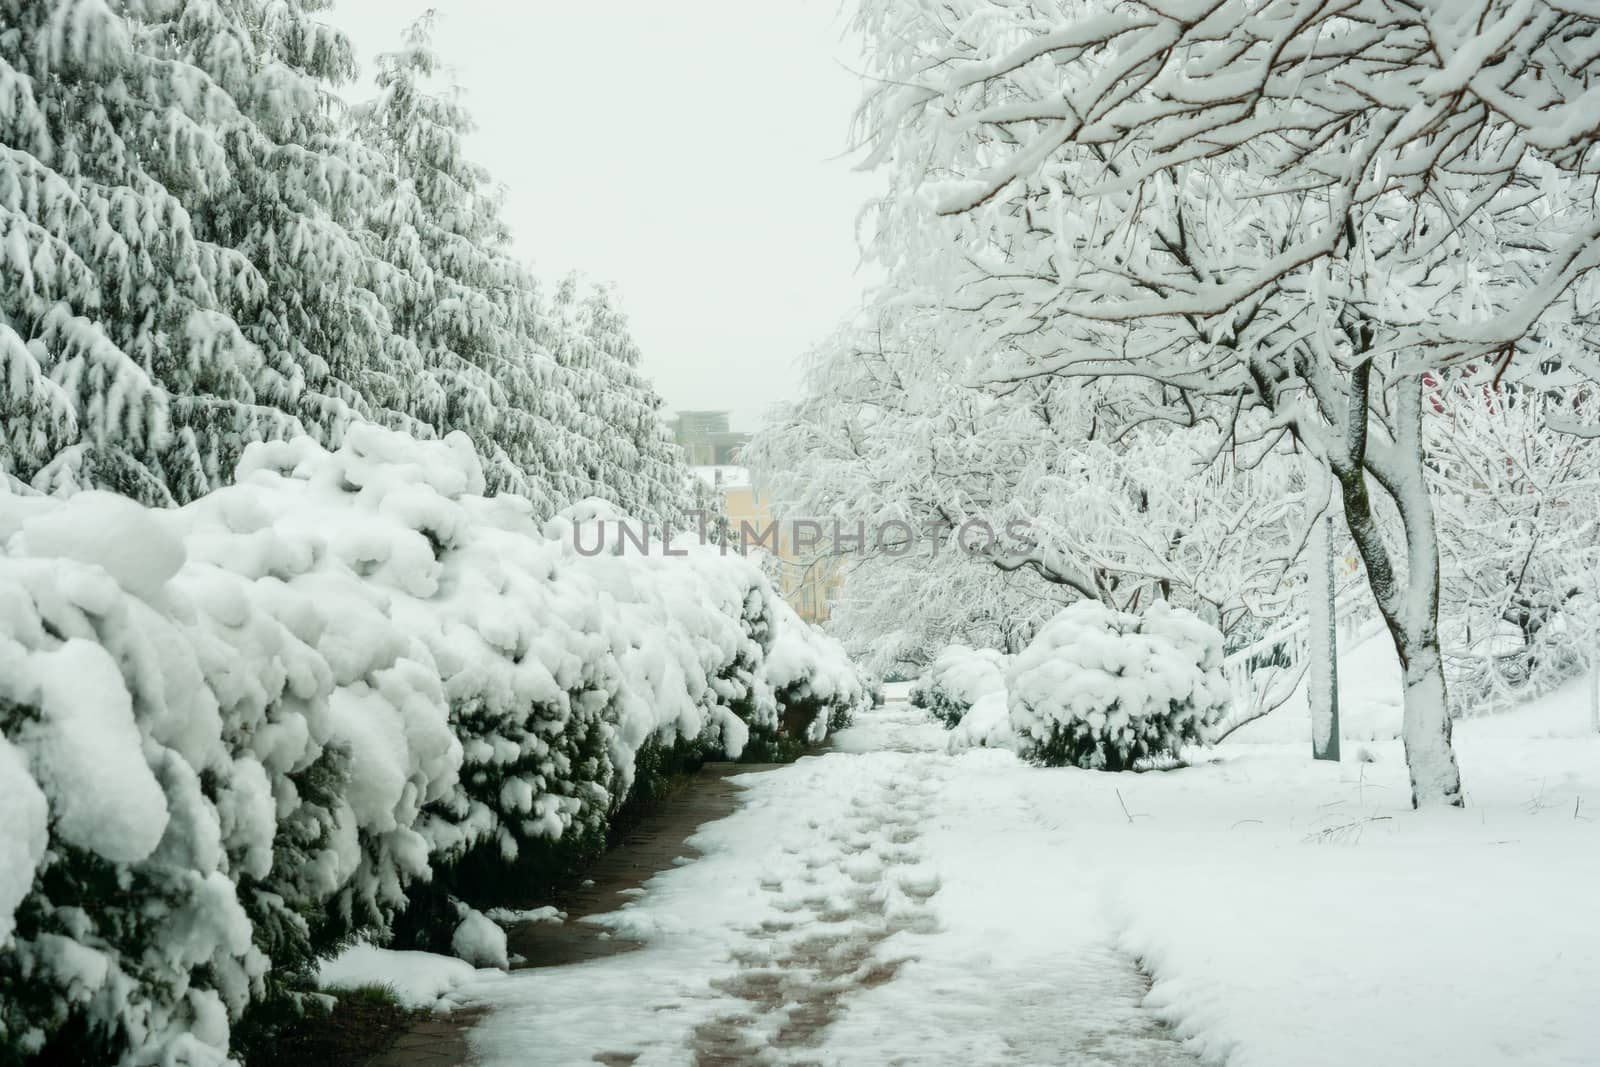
(956, 601)
(1042, 489)
(1283, 213)
(1519, 519)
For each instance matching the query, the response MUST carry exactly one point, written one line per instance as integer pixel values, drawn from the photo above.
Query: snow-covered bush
(132, 931)
(957, 679)
(1104, 689)
(238, 734)
(987, 724)
(818, 688)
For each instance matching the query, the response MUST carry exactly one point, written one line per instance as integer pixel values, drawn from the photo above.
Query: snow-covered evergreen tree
(459, 298)
(177, 219)
(644, 465)
(621, 446)
(550, 393)
(196, 256)
(111, 299)
(295, 209)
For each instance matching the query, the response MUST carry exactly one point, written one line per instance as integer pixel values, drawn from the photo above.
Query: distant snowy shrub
(987, 724)
(817, 686)
(1104, 689)
(237, 735)
(958, 677)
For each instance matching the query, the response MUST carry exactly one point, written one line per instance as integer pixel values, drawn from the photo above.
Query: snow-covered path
(839, 917)
(888, 903)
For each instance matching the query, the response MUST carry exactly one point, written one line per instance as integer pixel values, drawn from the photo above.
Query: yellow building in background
(808, 585)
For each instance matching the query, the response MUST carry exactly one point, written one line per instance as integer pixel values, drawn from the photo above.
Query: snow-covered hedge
(1104, 689)
(236, 734)
(957, 678)
(818, 688)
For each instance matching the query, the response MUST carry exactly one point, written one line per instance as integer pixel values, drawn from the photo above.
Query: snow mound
(133, 544)
(419, 979)
(987, 724)
(479, 940)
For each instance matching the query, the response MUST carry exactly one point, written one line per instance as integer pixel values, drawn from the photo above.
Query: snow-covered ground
(890, 903)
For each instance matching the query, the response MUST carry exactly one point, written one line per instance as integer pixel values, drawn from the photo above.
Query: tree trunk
(1411, 610)
(1425, 730)
(1594, 696)
(1435, 779)
(1324, 646)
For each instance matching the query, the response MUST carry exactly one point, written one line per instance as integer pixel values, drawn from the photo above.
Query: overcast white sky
(692, 153)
